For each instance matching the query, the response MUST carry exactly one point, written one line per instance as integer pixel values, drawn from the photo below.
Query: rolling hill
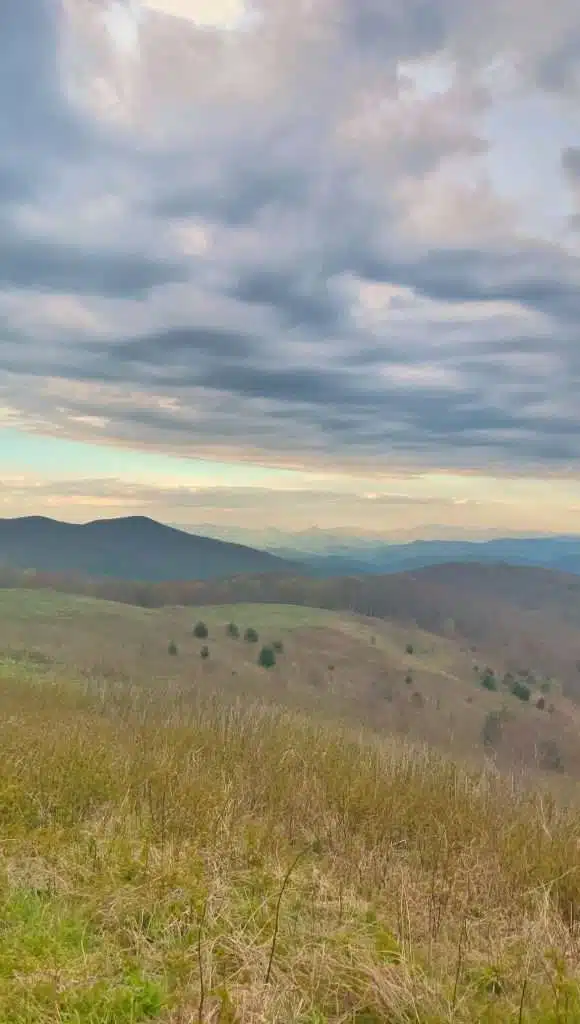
(131, 548)
(388, 677)
(516, 617)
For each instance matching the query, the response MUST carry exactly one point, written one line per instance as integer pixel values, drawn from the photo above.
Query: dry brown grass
(192, 859)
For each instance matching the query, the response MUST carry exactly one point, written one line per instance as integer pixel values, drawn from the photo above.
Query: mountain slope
(131, 548)
(514, 618)
(334, 666)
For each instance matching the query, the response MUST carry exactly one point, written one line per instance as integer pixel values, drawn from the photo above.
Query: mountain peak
(127, 547)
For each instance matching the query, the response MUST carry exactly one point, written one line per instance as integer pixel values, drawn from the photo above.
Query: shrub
(541, 703)
(172, 648)
(267, 658)
(278, 646)
(546, 686)
(232, 630)
(251, 636)
(200, 630)
(204, 653)
(489, 681)
(408, 679)
(409, 649)
(521, 690)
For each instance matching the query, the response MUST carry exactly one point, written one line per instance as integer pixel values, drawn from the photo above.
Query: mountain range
(377, 558)
(138, 548)
(129, 548)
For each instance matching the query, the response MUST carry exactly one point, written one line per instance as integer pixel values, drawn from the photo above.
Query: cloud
(571, 168)
(250, 510)
(255, 515)
(34, 264)
(294, 241)
(571, 162)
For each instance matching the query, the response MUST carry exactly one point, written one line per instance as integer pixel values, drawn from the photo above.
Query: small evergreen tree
(251, 636)
(489, 681)
(521, 690)
(267, 657)
(204, 653)
(172, 648)
(200, 631)
(409, 649)
(233, 630)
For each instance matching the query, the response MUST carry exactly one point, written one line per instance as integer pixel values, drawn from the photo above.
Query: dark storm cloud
(32, 263)
(331, 409)
(538, 276)
(189, 349)
(300, 298)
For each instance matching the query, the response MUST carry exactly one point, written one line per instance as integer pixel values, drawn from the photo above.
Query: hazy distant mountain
(548, 552)
(131, 548)
(331, 541)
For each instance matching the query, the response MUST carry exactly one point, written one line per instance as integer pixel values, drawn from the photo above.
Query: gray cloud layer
(278, 246)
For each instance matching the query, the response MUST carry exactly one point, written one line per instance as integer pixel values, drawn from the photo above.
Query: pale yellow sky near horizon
(404, 505)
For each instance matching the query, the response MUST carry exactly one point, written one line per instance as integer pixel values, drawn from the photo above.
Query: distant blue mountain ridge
(560, 553)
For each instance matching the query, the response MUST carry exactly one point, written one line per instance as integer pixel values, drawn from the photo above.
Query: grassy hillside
(517, 618)
(208, 861)
(381, 675)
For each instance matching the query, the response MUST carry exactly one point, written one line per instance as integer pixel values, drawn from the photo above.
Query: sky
(288, 264)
